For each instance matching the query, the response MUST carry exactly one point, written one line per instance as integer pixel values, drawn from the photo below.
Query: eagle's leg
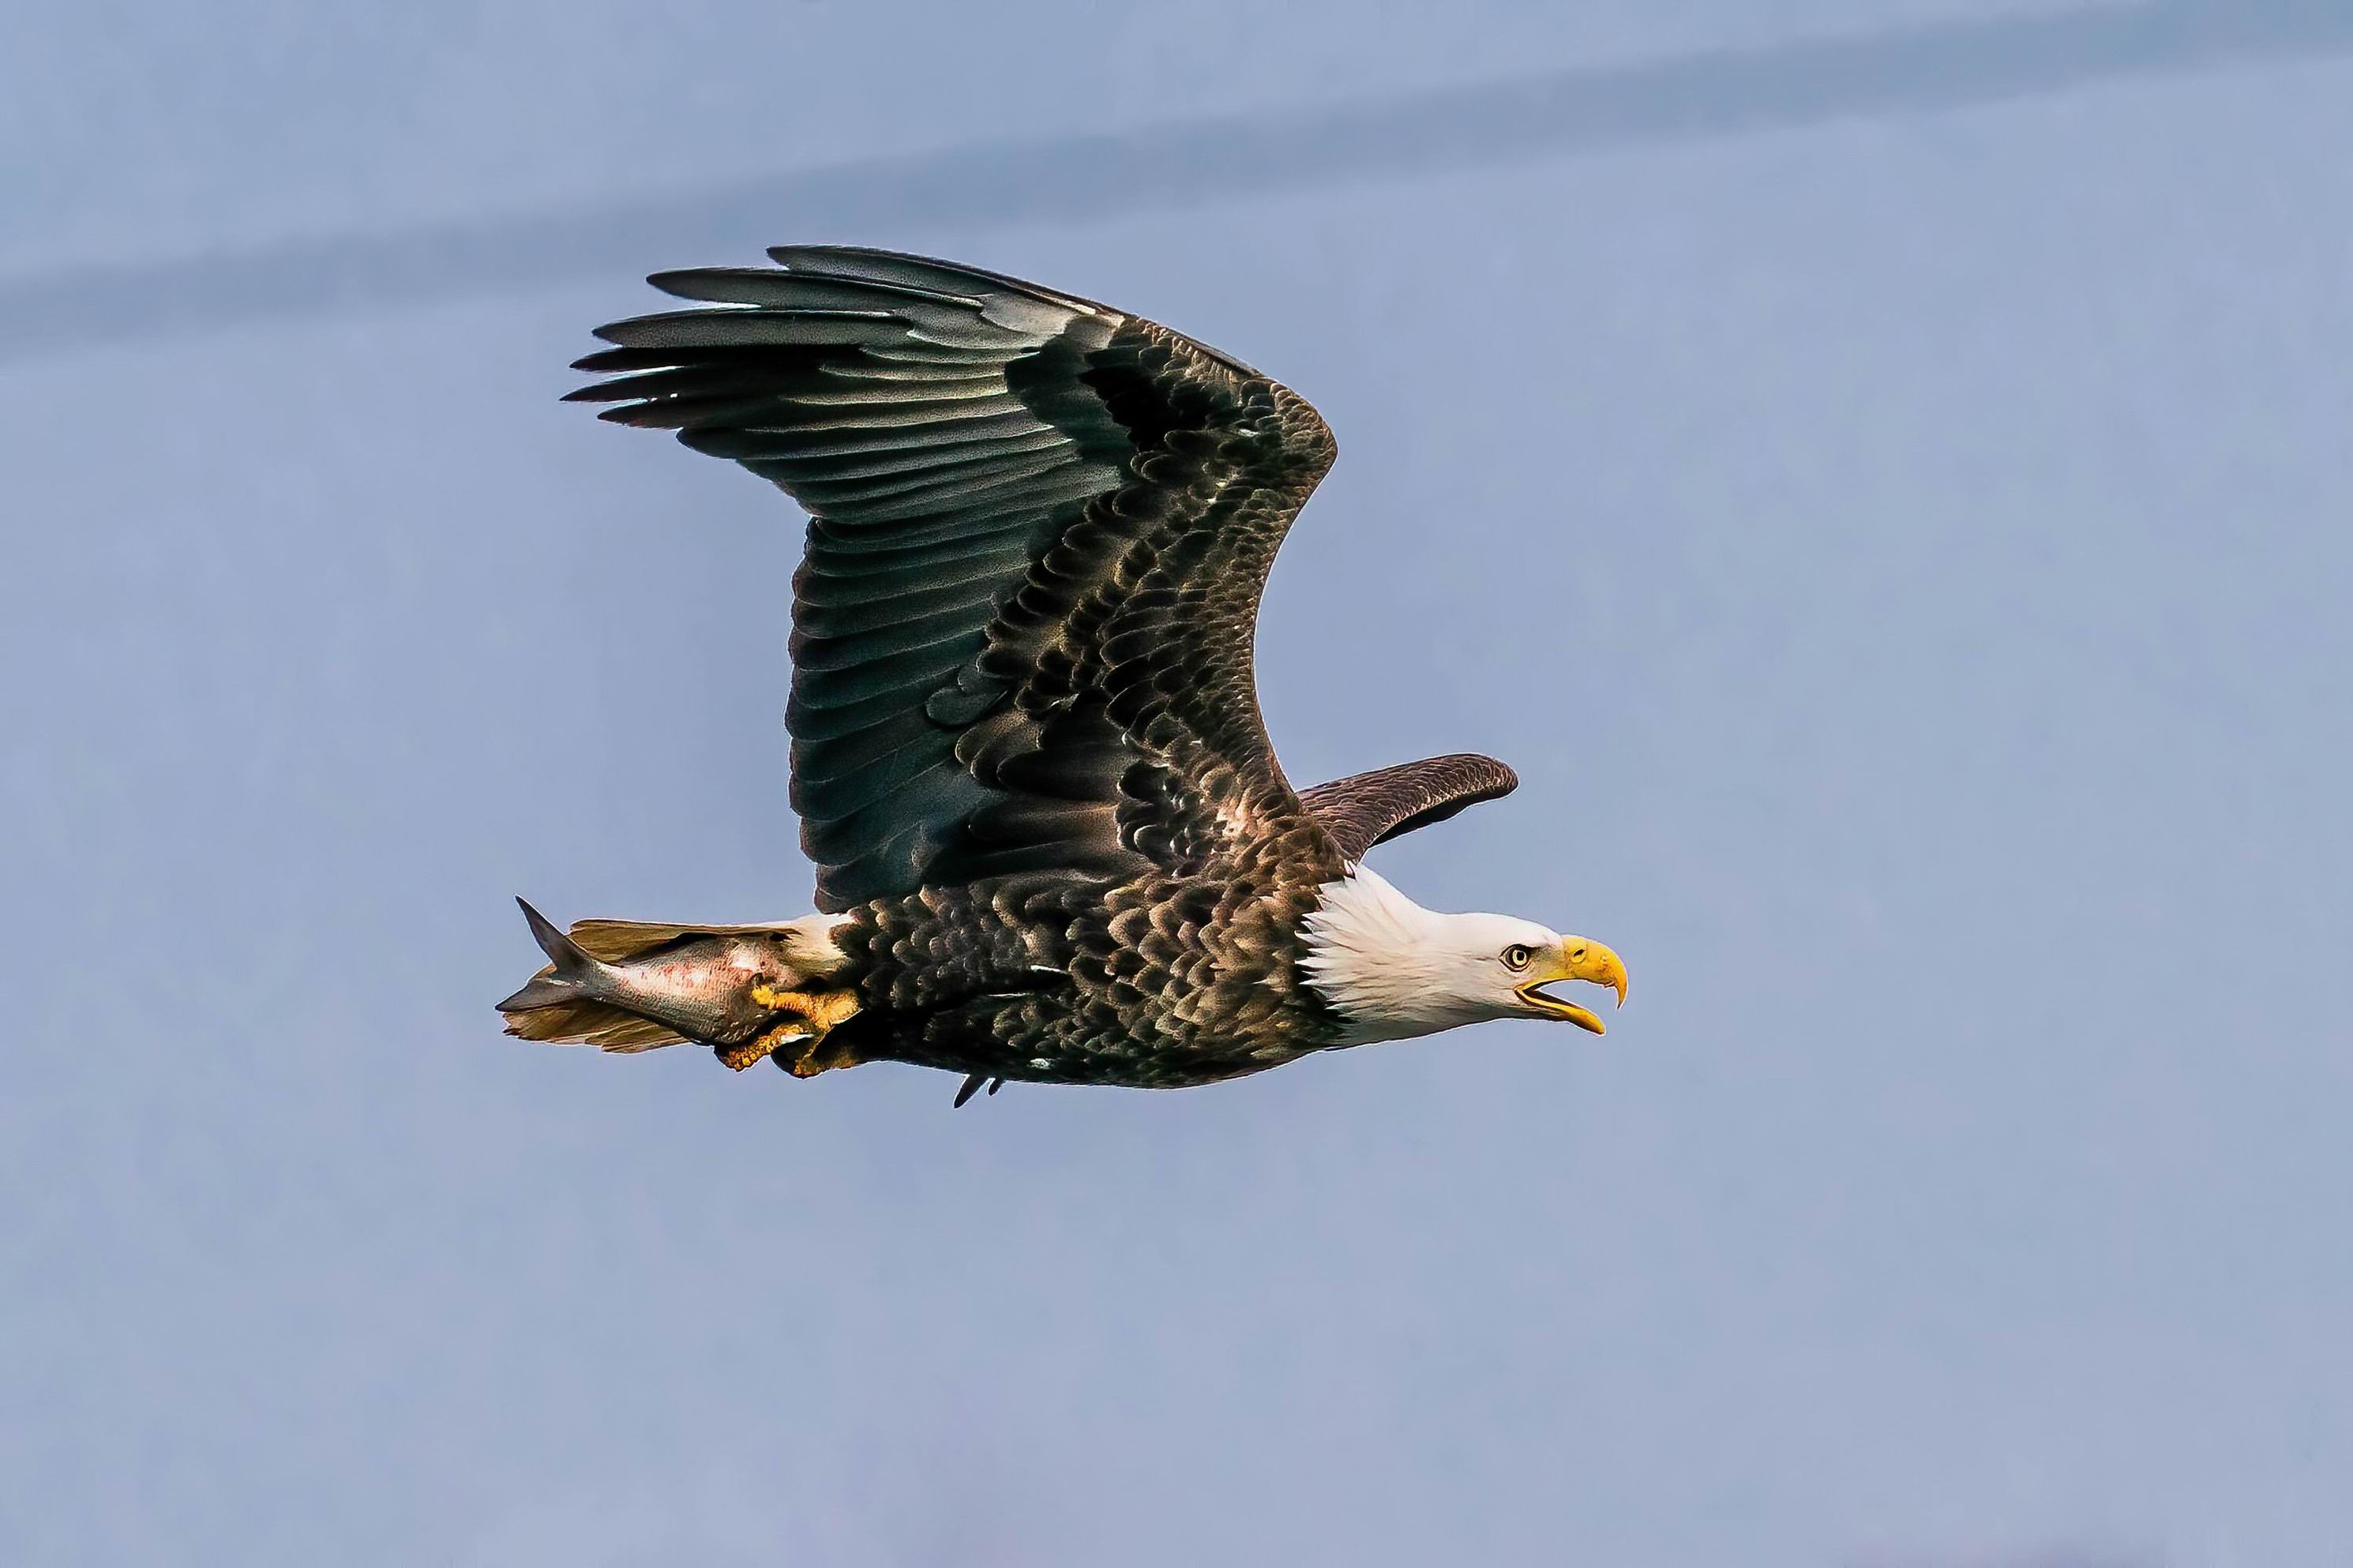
(797, 1039)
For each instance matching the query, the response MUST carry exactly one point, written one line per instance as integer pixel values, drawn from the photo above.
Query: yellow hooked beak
(1577, 959)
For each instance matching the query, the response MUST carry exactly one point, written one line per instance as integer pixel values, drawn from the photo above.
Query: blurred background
(1878, 469)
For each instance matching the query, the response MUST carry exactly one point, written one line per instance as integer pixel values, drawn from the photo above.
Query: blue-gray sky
(1901, 545)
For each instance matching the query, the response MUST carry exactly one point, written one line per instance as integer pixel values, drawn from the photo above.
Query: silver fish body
(709, 989)
(718, 989)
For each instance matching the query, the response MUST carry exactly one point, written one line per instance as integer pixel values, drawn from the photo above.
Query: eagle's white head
(1393, 970)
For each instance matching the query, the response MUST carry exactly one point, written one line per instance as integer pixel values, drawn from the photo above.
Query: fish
(743, 990)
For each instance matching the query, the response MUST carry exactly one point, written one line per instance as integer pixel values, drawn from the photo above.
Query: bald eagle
(1052, 840)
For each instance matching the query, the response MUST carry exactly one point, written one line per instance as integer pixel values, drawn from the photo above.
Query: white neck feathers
(1390, 968)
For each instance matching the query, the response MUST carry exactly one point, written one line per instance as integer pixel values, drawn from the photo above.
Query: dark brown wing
(1366, 809)
(1038, 530)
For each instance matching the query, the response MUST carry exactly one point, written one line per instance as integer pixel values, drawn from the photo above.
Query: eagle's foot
(797, 1039)
(738, 1057)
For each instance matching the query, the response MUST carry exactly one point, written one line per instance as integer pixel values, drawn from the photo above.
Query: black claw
(971, 1086)
(994, 1085)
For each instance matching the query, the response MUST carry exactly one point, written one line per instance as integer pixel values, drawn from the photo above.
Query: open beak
(1577, 959)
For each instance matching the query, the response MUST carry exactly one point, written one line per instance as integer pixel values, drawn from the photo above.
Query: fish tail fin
(568, 977)
(563, 1003)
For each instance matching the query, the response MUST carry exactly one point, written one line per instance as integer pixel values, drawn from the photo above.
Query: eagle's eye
(1516, 957)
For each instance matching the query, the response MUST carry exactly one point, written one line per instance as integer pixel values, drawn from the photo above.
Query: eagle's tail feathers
(591, 1023)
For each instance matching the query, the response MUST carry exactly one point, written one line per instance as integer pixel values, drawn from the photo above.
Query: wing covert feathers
(1366, 809)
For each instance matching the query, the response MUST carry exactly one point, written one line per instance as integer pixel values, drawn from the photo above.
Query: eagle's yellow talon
(797, 1039)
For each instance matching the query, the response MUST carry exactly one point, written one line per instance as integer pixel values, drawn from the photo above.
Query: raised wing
(1039, 530)
(1366, 809)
